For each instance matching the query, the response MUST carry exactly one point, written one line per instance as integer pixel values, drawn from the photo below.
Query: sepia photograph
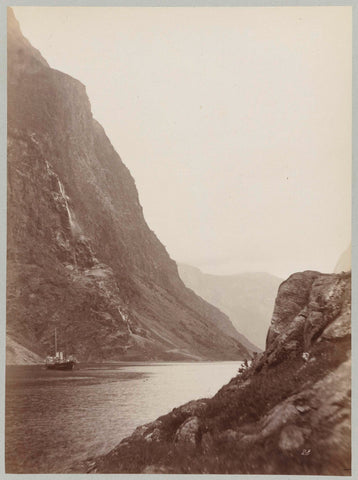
(178, 240)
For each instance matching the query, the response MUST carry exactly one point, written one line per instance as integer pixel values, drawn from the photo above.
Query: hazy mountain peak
(247, 298)
(344, 263)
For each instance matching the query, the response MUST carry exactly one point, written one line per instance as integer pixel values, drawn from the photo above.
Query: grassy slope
(288, 413)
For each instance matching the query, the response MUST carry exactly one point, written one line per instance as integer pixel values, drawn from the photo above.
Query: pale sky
(235, 123)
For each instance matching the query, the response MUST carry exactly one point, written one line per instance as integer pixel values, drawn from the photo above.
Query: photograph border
(3, 186)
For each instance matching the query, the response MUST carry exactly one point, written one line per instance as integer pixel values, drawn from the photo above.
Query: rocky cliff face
(287, 413)
(80, 254)
(248, 299)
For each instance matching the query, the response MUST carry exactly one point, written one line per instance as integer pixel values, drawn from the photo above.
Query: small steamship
(59, 361)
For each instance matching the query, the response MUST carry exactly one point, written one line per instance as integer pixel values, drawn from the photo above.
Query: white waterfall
(125, 318)
(62, 194)
(65, 198)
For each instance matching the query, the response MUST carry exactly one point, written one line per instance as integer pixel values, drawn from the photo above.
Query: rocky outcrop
(287, 413)
(247, 298)
(80, 254)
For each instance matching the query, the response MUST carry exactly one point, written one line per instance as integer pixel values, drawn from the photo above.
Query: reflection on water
(55, 418)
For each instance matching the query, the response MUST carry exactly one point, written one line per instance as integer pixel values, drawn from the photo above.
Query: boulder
(187, 433)
(292, 439)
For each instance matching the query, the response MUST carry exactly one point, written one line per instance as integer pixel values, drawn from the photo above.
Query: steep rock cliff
(80, 254)
(287, 413)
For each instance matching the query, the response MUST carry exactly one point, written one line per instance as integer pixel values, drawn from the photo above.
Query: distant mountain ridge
(344, 263)
(247, 298)
(81, 257)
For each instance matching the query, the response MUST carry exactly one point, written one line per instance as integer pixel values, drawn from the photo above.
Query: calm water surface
(54, 419)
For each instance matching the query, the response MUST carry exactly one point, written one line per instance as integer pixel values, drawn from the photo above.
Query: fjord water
(55, 419)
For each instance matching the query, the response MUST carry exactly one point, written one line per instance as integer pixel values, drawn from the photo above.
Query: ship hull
(60, 366)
